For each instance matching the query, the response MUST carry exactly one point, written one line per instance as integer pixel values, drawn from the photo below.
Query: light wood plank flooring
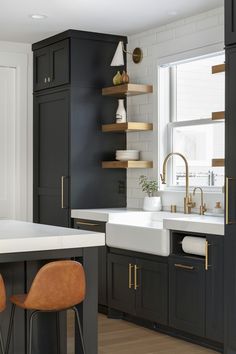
(121, 337)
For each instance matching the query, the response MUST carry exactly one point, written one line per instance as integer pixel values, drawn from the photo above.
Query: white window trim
(163, 148)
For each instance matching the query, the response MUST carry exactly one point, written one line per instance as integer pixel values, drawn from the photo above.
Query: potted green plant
(150, 187)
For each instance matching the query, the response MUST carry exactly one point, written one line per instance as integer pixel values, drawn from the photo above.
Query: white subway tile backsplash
(178, 37)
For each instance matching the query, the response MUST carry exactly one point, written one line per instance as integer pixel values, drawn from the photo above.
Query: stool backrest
(2, 295)
(58, 285)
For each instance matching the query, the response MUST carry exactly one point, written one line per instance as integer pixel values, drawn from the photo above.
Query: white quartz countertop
(181, 222)
(18, 236)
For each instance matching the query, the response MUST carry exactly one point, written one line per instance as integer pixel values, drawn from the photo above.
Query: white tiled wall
(197, 35)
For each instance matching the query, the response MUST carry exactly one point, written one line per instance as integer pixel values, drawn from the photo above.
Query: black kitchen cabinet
(69, 110)
(51, 158)
(230, 203)
(215, 289)
(138, 287)
(51, 65)
(152, 291)
(97, 226)
(187, 295)
(230, 22)
(121, 293)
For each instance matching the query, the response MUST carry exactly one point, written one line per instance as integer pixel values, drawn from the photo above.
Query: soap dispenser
(218, 209)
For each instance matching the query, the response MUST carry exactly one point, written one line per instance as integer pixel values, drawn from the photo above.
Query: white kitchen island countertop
(19, 236)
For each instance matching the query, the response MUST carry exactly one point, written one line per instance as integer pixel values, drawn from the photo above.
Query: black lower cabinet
(97, 226)
(215, 289)
(187, 295)
(138, 287)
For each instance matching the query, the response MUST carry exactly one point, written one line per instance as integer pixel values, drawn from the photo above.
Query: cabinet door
(230, 22)
(41, 69)
(152, 293)
(51, 121)
(97, 226)
(230, 227)
(59, 63)
(187, 295)
(215, 290)
(120, 295)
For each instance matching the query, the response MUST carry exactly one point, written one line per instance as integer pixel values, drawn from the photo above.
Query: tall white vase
(121, 112)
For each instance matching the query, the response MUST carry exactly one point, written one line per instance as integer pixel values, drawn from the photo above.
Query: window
(190, 97)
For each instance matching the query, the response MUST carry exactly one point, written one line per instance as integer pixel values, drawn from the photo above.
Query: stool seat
(57, 286)
(2, 295)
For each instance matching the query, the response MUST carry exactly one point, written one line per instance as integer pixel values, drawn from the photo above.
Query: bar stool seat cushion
(2, 295)
(57, 286)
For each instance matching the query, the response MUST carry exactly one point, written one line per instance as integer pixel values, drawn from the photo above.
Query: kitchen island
(24, 249)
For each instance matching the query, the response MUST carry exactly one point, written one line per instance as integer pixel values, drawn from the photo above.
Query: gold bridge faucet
(203, 208)
(188, 203)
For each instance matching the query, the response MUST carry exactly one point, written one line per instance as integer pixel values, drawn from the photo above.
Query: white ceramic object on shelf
(126, 155)
(121, 112)
(152, 204)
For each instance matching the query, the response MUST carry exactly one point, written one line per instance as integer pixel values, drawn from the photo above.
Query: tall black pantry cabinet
(230, 172)
(70, 70)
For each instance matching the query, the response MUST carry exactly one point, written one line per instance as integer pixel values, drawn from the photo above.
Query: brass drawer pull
(86, 223)
(130, 276)
(136, 268)
(182, 266)
(62, 191)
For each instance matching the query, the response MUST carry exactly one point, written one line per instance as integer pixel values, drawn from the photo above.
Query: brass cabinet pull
(136, 268)
(183, 266)
(206, 255)
(130, 275)
(86, 223)
(62, 191)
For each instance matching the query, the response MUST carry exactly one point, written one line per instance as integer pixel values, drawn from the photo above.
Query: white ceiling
(107, 16)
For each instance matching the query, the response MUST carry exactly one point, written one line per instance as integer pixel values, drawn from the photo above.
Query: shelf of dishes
(127, 159)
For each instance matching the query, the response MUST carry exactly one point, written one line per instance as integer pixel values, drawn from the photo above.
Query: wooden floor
(121, 337)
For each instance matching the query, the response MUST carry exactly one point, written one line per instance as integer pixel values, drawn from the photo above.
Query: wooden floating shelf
(127, 90)
(218, 162)
(216, 69)
(127, 164)
(218, 115)
(127, 127)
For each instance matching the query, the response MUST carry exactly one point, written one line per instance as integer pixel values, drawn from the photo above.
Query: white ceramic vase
(121, 112)
(152, 204)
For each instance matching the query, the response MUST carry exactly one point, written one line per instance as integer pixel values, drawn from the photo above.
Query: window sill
(181, 189)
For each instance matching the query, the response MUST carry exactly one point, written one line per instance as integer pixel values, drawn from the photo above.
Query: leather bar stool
(2, 307)
(57, 286)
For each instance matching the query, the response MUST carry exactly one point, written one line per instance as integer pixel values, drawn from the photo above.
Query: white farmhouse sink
(139, 238)
(141, 232)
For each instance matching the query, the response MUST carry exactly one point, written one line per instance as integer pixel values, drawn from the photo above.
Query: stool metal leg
(1, 343)
(31, 331)
(80, 329)
(10, 328)
(58, 333)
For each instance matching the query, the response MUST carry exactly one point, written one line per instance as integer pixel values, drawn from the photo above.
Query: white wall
(19, 56)
(193, 36)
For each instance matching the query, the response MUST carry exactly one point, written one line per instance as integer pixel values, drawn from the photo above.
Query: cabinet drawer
(187, 295)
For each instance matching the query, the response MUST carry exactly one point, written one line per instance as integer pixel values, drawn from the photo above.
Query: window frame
(171, 122)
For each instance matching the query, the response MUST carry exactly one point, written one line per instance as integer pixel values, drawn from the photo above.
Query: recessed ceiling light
(38, 17)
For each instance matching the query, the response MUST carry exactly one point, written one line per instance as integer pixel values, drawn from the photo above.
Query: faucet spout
(188, 204)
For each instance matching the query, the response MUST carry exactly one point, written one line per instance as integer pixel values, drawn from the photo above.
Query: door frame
(19, 57)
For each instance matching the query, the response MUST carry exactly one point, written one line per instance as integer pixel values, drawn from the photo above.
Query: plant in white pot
(150, 187)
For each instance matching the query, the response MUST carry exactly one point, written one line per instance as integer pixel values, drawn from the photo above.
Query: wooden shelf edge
(127, 164)
(218, 162)
(218, 115)
(127, 127)
(127, 90)
(216, 69)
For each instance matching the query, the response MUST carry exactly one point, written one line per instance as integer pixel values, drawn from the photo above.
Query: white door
(7, 141)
